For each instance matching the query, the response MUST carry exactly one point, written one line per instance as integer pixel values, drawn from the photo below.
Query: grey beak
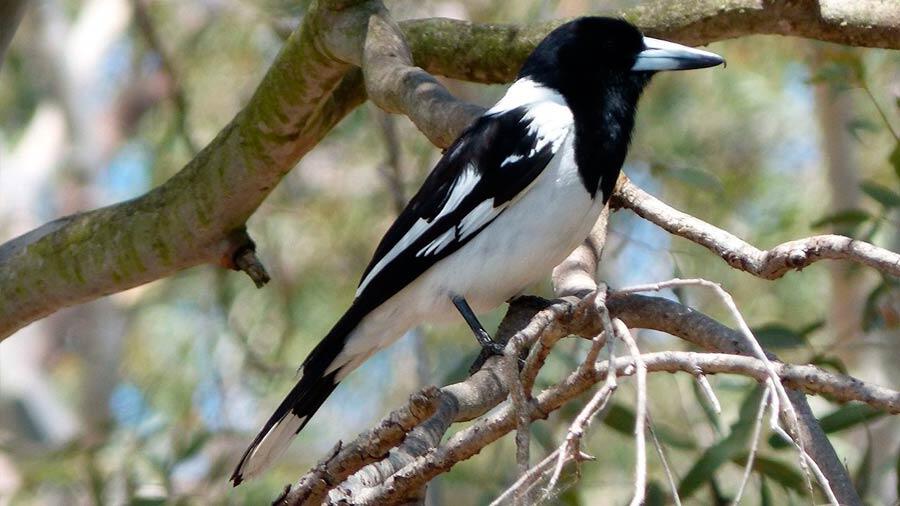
(662, 55)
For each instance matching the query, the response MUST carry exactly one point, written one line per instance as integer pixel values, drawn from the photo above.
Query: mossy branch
(312, 84)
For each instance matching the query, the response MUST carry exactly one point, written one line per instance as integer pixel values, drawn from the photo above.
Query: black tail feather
(303, 401)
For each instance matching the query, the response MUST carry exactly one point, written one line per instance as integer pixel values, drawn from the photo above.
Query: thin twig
(179, 98)
(754, 446)
(756, 348)
(708, 392)
(597, 403)
(640, 475)
(661, 452)
(767, 264)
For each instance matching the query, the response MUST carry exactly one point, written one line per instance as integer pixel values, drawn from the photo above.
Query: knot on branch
(239, 254)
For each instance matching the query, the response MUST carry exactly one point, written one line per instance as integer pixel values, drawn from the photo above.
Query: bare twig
(754, 445)
(661, 452)
(572, 445)
(640, 417)
(767, 264)
(708, 392)
(179, 98)
(600, 400)
(520, 399)
(779, 392)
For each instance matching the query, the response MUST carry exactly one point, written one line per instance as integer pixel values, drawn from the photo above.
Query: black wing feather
(485, 145)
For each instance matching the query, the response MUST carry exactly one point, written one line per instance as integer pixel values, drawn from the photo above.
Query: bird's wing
(492, 164)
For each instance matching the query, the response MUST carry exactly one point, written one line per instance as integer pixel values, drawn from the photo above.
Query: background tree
(150, 395)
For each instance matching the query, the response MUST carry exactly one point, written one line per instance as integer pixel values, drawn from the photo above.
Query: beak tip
(663, 55)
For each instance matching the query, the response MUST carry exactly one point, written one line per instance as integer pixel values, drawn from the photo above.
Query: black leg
(484, 339)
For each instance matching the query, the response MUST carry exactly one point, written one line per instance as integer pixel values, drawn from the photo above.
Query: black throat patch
(604, 120)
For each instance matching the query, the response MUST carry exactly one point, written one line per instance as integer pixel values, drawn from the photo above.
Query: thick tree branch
(577, 274)
(183, 222)
(767, 264)
(308, 89)
(492, 53)
(396, 85)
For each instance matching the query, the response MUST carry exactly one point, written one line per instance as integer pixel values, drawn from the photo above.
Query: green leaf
(895, 159)
(655, 495)
(765, 495)
(620, 419)
(862, 476)
(812, 327)
(785, 475)
(194, 444)
(848, 416)
(884, 195)
(859, 126)
(898, 461)
(726, 449)
(830, 362)
(848, 217)
(776, 335)
(845, 417)
(872, 318)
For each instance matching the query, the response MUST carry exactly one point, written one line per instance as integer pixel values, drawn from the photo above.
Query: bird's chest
(532, 236)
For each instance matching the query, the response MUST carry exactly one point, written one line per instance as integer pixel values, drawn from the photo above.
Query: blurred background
(150, 396)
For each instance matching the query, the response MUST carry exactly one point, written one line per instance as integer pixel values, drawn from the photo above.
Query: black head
(593, 52)
(600, 66)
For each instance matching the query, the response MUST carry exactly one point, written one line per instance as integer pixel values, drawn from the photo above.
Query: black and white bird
(510, 199)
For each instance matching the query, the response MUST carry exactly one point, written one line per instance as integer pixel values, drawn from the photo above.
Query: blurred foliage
(205, 357)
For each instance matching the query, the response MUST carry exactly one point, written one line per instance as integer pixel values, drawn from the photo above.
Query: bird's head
(588, 53)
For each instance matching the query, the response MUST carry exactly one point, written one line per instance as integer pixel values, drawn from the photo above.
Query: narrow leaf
(884, 195)
(895, 159)
(723, 451)
(840, 419)
(784, 474)
(862, 476)
(775, 335)
(849, 217)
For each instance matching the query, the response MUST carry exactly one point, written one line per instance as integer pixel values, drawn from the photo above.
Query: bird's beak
(662, 55)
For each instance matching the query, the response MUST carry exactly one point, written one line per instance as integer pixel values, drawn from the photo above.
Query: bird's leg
(481, 335)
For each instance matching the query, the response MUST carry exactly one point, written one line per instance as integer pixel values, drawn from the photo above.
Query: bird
(510, 198)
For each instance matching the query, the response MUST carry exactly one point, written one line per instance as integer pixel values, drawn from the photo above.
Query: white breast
(519, 248)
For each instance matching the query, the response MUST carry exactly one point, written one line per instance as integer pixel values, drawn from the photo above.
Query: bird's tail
(321, 372)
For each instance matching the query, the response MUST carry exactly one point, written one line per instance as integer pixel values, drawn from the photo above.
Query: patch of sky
(641, 248)
(126, 176)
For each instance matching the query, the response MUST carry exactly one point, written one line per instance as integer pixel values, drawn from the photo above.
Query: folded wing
(493, 163)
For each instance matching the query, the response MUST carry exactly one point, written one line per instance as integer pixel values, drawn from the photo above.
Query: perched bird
(511, 198)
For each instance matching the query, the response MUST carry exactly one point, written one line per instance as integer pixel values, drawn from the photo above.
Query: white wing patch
(511, 159)
(438, 244)
(462, 186)
(477, 218)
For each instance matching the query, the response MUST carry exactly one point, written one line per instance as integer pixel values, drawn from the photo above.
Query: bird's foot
(489, 348)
